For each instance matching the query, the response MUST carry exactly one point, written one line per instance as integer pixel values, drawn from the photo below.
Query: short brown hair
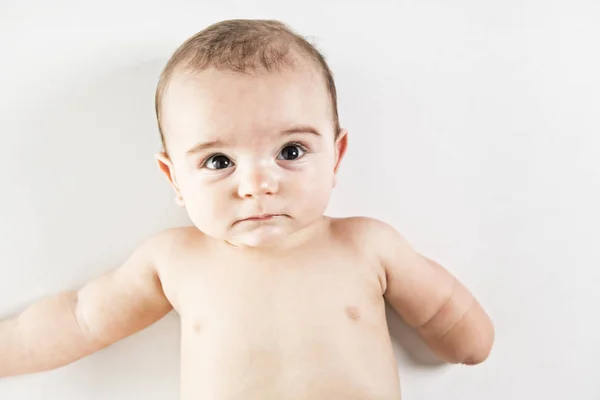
(241, 45)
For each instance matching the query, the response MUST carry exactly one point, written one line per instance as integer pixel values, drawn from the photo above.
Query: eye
(291, 152)
(218, 161)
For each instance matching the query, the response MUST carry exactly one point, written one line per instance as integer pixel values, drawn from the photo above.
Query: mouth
(262, 217)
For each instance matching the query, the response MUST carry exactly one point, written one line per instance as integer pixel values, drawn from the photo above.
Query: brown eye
(218, 161)
(290, 152)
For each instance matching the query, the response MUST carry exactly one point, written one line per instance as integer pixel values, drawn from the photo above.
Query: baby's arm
(432, 301)
(65, 327)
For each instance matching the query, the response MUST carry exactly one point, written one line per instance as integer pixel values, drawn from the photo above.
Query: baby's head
(248, 119)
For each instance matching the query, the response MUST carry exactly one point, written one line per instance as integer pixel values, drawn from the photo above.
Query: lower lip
(265, 218)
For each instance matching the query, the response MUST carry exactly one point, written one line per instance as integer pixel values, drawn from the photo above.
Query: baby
(277, 301)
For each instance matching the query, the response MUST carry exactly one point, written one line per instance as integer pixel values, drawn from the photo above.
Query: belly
(321, 355)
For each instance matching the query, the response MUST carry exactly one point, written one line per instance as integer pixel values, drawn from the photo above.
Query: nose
(258, 182)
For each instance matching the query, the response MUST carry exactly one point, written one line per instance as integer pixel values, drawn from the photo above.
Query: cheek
(312, 187)
(207, 204)
(320, 173)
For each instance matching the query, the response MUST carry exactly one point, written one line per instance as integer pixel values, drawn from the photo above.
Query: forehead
(225, 105)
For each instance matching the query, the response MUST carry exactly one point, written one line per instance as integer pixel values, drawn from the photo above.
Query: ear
(341, 144)
(166, 166)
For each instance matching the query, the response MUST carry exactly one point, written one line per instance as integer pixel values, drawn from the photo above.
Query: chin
(263, 237)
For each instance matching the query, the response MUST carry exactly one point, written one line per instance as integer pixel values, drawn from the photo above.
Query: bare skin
(309, 324)
(285, 327)
(290, 306)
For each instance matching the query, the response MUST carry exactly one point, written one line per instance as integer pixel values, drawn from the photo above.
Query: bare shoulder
(166, 244)
(131, 297)
(370, 240)
(359, 230)
(174, 237)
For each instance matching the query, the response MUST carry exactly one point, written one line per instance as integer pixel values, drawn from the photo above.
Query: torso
(309, 325)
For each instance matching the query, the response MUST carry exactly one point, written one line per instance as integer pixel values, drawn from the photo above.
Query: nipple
(196, 327)
(352, 313)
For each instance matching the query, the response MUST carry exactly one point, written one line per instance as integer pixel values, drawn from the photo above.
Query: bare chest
(315, 289)
(263, 327)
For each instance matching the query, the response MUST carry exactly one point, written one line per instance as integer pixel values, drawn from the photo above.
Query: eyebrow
(204, 145)
(219, 143)
(301, 129)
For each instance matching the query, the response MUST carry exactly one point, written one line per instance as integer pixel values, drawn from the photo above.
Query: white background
(474, 131)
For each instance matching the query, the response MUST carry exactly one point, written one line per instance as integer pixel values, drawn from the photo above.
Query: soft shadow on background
(408, 346)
